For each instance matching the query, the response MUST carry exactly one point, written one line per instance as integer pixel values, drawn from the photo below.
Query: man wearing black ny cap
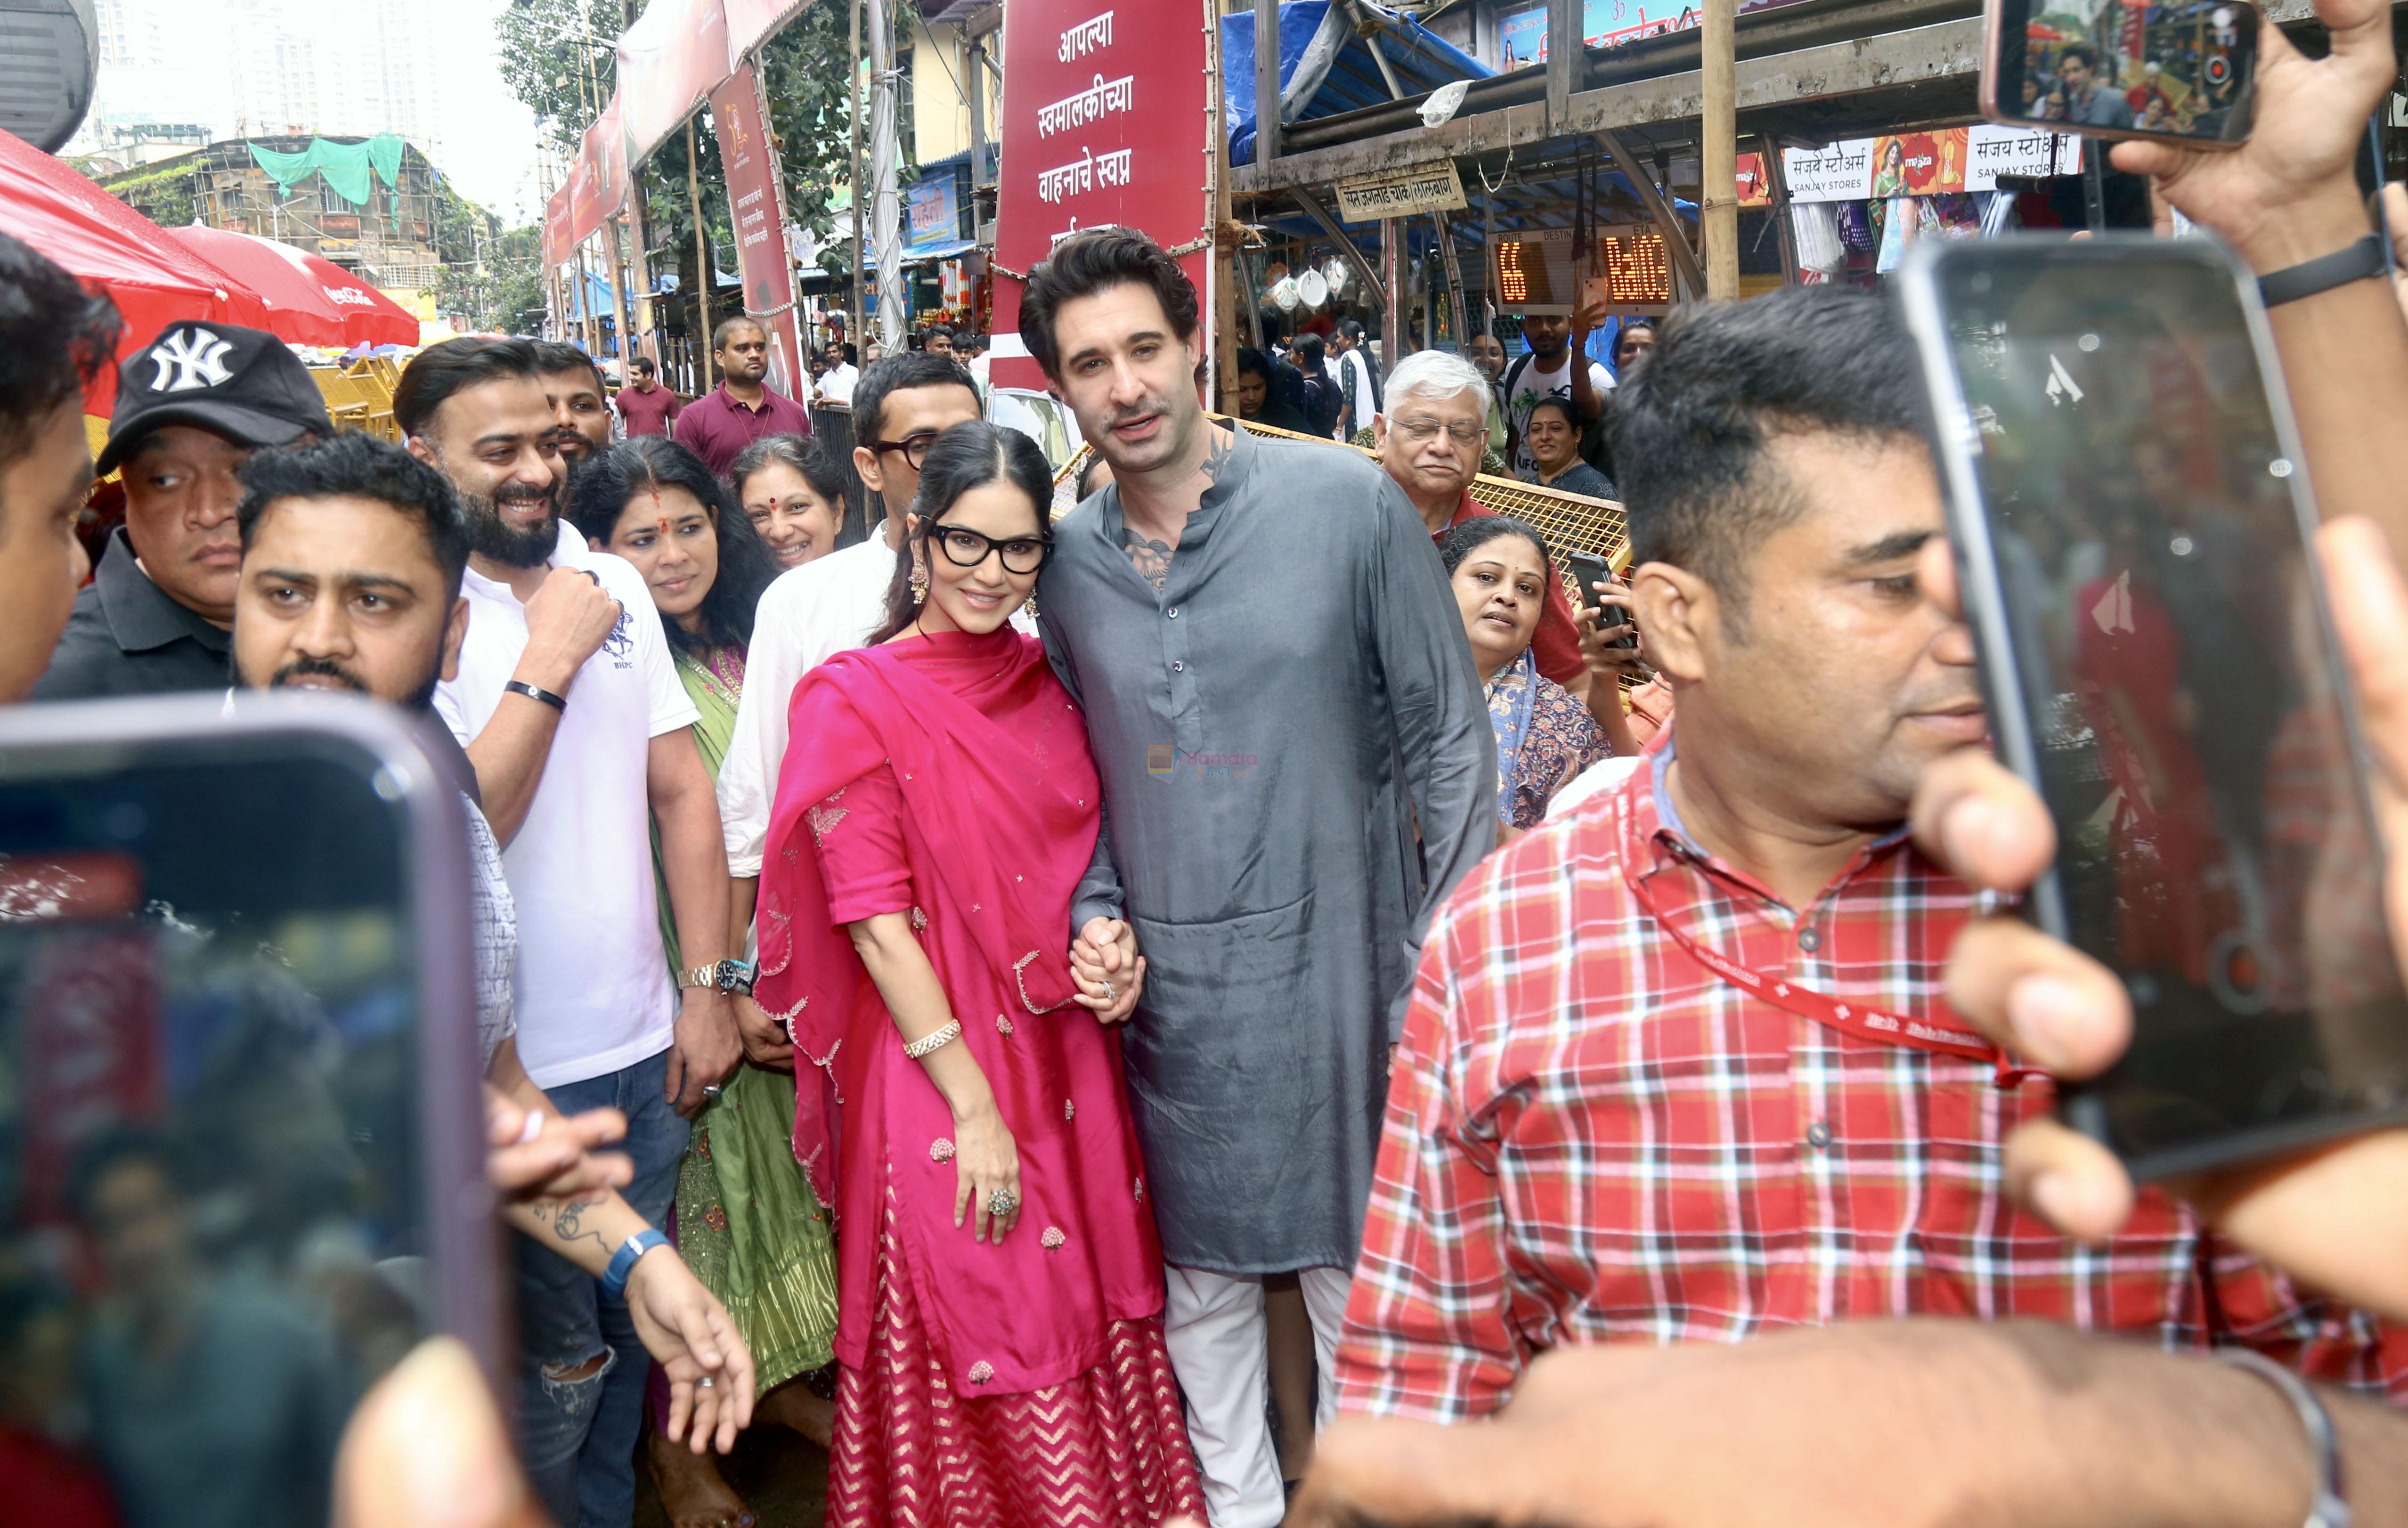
(191, 405)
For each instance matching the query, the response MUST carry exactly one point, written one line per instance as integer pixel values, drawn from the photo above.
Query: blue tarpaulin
(1325, 68)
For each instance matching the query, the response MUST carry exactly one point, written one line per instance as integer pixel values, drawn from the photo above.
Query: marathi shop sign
(1106, 123)
(1925, 164)
(1417, 189)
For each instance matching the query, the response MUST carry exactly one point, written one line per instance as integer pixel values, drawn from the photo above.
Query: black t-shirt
(127, 637)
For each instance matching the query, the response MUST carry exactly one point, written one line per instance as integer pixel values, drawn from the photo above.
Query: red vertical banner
(757, 202)
(1106, 121)
(558, 242)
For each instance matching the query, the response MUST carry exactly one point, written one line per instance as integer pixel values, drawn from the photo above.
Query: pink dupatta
(977, 729)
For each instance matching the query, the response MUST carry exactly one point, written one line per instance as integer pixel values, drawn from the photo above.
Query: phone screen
(217, 1223)
(2175, 691)
(2121, 66)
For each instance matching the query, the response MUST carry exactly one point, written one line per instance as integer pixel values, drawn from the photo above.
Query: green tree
(504, 292)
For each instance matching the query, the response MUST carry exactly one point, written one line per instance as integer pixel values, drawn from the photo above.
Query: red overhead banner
(1105, 122)
(753, 22)
(558, 242)
(758, 208)
(669, 62)
(598, 186)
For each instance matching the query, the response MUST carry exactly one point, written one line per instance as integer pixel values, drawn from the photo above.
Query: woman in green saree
(747, 1222)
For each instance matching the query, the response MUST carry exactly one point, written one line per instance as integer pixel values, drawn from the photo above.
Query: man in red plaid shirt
(1677, 1067)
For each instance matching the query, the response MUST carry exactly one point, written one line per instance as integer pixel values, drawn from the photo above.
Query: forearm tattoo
(565, 1218)
(1152, 558)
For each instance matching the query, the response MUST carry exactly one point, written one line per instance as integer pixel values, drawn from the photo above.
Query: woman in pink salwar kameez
(999, 1279)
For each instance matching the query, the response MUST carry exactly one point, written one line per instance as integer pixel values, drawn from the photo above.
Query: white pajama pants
(1219, 1342)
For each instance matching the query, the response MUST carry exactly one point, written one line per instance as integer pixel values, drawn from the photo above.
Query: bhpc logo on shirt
(621, 643)
(1164, 760)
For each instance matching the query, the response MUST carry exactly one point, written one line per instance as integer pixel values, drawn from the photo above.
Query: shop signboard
(930, 220)
(1105, 122)
(757, 204)
(1755, 189)
(1414, 190)
(1925, 164)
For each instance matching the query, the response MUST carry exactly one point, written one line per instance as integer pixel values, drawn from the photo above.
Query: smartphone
(2183, 73)
(239, 1104)
(1590, 570)
(2132, 528)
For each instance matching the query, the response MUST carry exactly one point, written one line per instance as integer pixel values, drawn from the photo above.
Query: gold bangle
(934, 1041)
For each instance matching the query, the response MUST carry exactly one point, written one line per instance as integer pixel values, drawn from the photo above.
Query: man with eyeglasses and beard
(568, 704)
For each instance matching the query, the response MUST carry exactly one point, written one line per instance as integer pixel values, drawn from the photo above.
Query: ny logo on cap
(198, 358)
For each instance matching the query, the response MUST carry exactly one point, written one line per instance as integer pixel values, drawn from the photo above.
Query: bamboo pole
(701, 261)
(1718, 151)
(854, 332)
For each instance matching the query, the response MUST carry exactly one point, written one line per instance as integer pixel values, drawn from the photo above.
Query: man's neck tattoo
(1152, 558)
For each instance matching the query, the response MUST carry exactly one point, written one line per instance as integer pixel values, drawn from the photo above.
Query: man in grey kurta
(1274, 702)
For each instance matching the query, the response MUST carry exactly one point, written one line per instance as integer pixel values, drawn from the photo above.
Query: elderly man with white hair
(1435, 422)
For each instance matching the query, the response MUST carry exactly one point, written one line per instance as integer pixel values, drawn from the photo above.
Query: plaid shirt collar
(1659, 823)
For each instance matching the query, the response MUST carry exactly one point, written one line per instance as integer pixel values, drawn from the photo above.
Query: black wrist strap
(518, 687)
(2329, 1509)
(2355, 262)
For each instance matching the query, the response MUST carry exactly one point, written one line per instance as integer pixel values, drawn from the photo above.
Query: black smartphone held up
(1588, 570)
(2133, 532)
(238, 1089)
(2182, 72)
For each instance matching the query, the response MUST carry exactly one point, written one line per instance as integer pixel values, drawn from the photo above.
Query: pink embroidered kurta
(949, 779)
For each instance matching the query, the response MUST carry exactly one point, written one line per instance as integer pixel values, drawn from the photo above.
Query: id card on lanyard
(1857, 1018)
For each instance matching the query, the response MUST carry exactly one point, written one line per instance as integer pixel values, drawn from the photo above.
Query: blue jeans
(579, 1435)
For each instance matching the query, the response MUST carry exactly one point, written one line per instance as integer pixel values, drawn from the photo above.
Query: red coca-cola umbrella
(311, 300)
(153, 280)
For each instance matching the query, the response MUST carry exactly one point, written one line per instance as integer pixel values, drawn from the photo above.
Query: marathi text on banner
(1434, 187)
(750, 165)
(1079, 154)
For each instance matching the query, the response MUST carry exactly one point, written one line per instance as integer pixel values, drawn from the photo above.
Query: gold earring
(919, 582)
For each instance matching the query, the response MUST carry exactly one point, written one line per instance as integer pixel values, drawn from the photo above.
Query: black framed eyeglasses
(914, 447)
(965, 548)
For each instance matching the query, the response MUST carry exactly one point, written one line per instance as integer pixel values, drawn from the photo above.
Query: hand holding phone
(2125, 494)
(2183, 73)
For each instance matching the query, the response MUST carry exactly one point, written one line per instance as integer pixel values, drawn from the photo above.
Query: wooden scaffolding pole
(1718, 151)
(701, 261)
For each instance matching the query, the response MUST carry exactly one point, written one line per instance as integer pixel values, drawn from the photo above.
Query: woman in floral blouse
(1498, 568)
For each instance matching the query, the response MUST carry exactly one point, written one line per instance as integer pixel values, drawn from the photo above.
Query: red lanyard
(1863, 1023)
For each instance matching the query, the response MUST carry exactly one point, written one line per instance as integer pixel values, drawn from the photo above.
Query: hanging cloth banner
(670, 60)
(598, 186)
(756, 201)
(344, 167)
(558, 242)
(753, 22)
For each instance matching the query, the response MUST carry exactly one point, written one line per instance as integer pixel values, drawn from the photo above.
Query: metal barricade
(832, 425)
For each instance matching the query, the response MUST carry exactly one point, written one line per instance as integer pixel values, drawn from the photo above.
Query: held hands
(765, 1043)
(567, 622)
(1106, 970)
(689, 1334)
(2336, 1216)
(560, 1160)
(2288, 194)
(705, 1050)
(986, 1160)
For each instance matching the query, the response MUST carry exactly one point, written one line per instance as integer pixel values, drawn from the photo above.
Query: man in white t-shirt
(1548, 371)
(570, 706)
(836, 384)
(827, 607)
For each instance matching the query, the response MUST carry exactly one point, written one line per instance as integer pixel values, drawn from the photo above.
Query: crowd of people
(948, 994)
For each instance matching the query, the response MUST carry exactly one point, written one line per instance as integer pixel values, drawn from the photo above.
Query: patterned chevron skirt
(1107, 1448)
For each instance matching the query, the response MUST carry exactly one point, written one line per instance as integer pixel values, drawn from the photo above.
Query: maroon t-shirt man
(647, 411)
(717, 428)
